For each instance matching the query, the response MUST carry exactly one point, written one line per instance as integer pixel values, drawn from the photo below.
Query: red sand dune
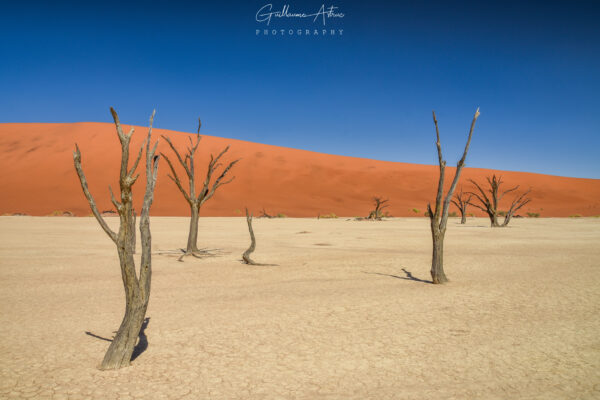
(37, 177)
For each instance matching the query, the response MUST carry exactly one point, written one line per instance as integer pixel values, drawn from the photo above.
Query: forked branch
(439, 216)
(86, 191)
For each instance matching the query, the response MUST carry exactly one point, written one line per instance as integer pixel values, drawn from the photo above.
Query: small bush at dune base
(332, 215)
(453, 214)
(533, 215)
(57, 213)
(416, 210)
(281, 215)
(575, 216)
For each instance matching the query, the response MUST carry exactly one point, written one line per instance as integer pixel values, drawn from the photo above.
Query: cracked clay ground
(338, 318)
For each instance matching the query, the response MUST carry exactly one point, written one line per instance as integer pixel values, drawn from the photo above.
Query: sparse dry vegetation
(377, 213)
(331, 215)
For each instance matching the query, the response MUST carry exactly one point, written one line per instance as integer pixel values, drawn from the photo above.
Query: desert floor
(348, 313)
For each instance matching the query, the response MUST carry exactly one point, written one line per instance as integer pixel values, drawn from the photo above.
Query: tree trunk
(437, 263)
(137, 292)
(192, 243)
(463, 217)
(120, 350)
(246, 255)
(494, 220)
(132, 237)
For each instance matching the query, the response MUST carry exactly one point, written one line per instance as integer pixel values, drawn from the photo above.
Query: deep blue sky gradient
(533, 68)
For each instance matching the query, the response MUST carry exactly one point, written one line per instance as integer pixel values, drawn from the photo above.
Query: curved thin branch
(183, 163)
(175, 178)
(459, 167)
(86, 191)
(246, 255)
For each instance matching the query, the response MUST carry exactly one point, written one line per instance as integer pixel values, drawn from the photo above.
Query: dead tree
(264, 214)
(208, 189)
(246, 255)
(377, 213)
(461, 201)
(489, 200)
(439, 216)
(516, 205)
(137, 285)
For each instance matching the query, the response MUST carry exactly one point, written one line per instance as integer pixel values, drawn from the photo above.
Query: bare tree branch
(89, 197)
(459, 167)
(175, 178)
(439, 216)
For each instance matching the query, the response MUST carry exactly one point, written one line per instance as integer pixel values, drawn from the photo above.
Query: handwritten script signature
(266, 13)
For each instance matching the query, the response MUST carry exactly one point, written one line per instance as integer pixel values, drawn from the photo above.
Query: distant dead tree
(515, 205)
(439, 216)
(461, 201)
(209, 187)
(490, 201)
(264, 214)
(377, 213)
(246, 255)
(137, 286)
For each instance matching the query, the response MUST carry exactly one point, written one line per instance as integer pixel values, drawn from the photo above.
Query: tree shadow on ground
(409, 276)
(201, 253)
(469, 226)
(141, 345)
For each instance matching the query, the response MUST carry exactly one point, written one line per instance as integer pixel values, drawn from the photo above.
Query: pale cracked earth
(338, 318)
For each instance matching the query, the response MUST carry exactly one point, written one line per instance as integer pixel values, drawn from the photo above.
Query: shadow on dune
(409, 276)
(141, 345)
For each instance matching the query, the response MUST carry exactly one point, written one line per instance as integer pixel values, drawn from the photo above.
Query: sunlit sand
(348, 313)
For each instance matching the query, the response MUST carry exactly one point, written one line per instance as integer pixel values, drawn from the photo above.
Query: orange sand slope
(37, 177)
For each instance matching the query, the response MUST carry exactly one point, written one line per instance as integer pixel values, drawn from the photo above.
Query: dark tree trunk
(494, 220)
(437, 260)
(120, 350)
(463, 217)
(192, 243)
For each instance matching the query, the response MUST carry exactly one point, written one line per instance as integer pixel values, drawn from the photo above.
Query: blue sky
(532, 69)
